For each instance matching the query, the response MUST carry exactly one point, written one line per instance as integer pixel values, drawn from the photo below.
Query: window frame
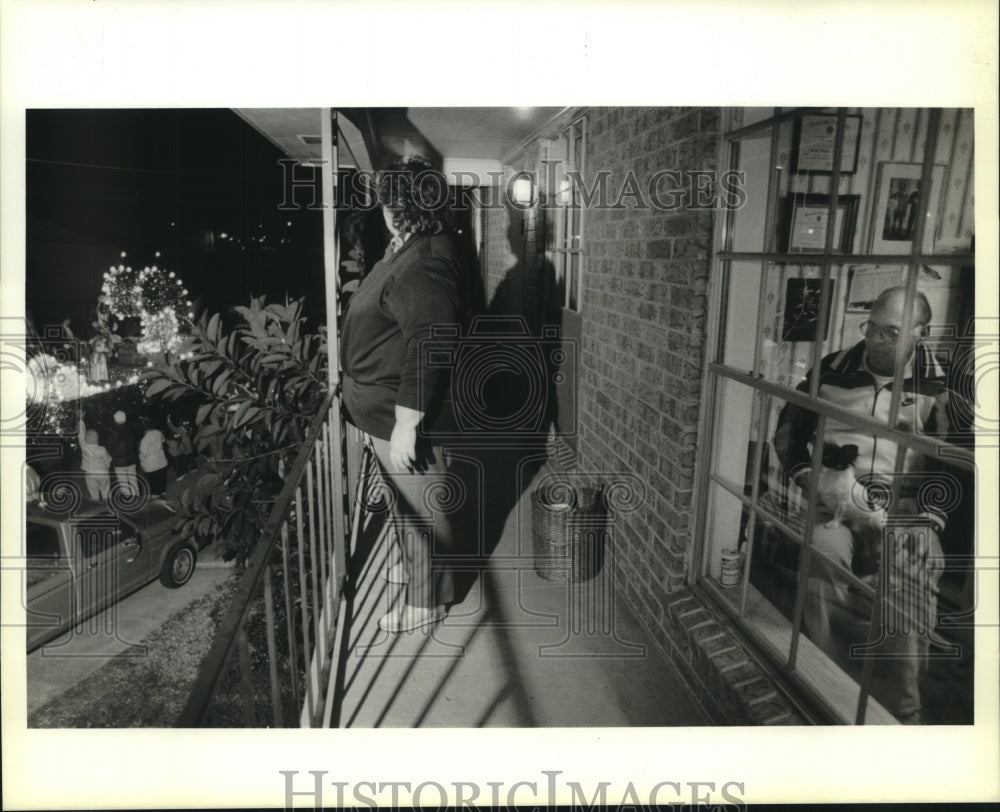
(718, 374)
(560, 248)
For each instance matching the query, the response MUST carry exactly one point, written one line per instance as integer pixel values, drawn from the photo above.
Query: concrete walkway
(516, 651)
(59, 665)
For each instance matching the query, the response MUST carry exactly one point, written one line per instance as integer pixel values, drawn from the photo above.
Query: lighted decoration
(154, 296)
(58, 386)
(159, 332)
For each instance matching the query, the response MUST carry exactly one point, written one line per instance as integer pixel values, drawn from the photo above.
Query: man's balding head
(893, 299)
(886, 319)
(887, 316)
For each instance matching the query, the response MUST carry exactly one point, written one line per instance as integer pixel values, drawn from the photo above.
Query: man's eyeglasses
(889, 331)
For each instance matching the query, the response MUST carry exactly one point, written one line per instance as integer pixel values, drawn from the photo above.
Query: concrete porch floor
(516, 651)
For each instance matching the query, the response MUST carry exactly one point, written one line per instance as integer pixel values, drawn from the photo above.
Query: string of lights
(258, 240)
(155, 296)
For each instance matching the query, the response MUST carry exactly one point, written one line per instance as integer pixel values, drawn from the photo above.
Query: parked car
(81, 563)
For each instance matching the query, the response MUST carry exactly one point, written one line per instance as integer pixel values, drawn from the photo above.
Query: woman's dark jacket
(395, 337)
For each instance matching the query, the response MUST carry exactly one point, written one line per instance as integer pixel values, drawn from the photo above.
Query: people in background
(180, 446)
(153, 458)
(99, 359)
(122, 446)
(392, 393)
(861, 379)
(95, 462)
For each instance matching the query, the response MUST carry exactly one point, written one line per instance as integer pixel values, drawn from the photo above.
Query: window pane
(97, 535)
(734, 445)
(791, 320)
(770, 595)
(954, 218)
(740, 315)
(749, 222)
(727, 529)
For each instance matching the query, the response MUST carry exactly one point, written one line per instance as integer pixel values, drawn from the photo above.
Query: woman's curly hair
(417, 195)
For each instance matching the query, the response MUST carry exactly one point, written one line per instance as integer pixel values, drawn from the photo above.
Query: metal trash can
(569, 525)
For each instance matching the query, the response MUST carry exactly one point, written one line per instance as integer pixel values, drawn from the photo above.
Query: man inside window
(860, 379)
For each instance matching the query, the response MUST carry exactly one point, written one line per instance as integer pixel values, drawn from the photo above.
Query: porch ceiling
(455, 135)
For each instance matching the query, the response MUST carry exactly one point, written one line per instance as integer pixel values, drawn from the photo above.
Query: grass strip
(146, 691)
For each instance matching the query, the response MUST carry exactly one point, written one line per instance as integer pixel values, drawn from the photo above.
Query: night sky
(100, 182)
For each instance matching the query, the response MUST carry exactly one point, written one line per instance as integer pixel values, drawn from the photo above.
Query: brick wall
(644, 321)
(644, 307)
(643, 325)
(644, 311)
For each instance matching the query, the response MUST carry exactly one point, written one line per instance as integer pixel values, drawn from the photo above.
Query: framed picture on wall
(866, 282)
(815, 138)
(806, 219)
(802, 305)
(897, 201)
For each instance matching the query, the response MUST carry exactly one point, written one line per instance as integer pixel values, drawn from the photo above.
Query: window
(837, 506)
(565, 161)
(98, 534)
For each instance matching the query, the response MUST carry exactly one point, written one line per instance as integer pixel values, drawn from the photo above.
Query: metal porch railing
(273, 660)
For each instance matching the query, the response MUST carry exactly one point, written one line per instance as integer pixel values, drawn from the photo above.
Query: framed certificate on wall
(815, 141)
(807, 220)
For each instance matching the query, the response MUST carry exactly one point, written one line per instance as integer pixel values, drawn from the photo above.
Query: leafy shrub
(258, 389)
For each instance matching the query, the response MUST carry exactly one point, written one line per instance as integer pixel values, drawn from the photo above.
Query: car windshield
(159, 512)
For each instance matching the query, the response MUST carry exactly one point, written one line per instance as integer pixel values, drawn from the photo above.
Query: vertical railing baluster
(246, 683)
(360, 499)
(293, 659)
(313, 486)
(321, 529)
(339, 520)
(330, 541)
(304, 605)
(318, 653)
(272, 649)
(318, 636)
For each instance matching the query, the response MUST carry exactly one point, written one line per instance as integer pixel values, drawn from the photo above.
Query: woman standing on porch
(389, 389)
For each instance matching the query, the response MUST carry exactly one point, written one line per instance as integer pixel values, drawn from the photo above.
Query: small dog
(838, 489)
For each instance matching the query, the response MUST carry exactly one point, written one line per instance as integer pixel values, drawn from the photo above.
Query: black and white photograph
(898, 206)
(341, 424)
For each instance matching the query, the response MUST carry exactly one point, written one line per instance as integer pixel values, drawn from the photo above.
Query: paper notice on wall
(868, 281)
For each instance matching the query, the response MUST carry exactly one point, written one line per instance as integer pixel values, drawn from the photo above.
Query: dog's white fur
(841, 492)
